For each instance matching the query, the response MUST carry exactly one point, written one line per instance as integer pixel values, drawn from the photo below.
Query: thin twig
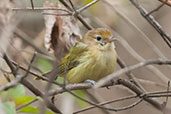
(106, 102)
(29, 67)
(154, 103)
(22, 106)
(11, 84)
(105, 108)
(95, 98)
(41, 9)
(131, 23)
(87, 6)
(167, 3)
(153, 22)
(72, 5)
(31, 87)
(156, 9)
(32, 4)
(27, 39)
(80, 18)
(168, 87)
(7, 77)
(116, 81)
(36, 75)
(18, 78)
(56, 14)
(130, 68)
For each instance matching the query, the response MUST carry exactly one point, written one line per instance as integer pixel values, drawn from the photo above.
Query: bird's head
(100, 38)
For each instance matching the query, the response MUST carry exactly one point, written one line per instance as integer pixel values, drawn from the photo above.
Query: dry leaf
(6, 23)
(61, 31)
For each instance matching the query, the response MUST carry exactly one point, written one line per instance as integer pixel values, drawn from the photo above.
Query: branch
(11, 84)
(31, 87)
(32, 4)
(36, 75)
(80, 18)
(153, 22)
(156, 9)
(167, 3)
(107, 102)
(131, 68)
(115, 81)
(27, 39)
(87, 6)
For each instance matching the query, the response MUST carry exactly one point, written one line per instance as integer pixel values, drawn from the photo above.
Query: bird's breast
(103, 63)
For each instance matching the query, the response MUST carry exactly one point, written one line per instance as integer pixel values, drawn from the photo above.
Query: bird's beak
(112, 39)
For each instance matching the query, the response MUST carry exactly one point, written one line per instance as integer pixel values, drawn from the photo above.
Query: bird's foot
(90, 81)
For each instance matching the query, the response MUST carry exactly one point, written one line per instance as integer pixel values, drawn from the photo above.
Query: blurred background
(138, 41)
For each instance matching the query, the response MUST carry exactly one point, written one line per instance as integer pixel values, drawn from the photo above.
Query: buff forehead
(105, 33)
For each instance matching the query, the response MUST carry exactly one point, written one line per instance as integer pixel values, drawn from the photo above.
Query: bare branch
(72, 5)
(116, 81)
(130, 68)
(36, 75)
(156, 9)
(87, 6)
(153, 22)
(80, 18)
(167, 3)
(31, 87)
(167, 97)
(107, 102)
(11, 84)
(41, 9)
(26, 38)
(20, 107)
(32, 5)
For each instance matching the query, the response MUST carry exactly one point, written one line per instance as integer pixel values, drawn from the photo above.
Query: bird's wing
(72, 59)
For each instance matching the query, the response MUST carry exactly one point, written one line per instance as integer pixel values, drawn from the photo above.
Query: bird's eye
(98, 38)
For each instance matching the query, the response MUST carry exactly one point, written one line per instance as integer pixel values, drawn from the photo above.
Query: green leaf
(44, 64)
(12, 93)
(22, 100)
(49, 112)
(9, 107)
(29, 109)
(16, 91)
(60, 79)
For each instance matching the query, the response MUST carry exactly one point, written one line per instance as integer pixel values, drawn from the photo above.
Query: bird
(91, 58)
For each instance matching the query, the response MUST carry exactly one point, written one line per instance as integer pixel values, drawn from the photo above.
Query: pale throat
(107, 47)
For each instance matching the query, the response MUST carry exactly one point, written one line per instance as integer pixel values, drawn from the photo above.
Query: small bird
(92, 58)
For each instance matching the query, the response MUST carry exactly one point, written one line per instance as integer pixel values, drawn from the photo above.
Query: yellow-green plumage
(89, 59)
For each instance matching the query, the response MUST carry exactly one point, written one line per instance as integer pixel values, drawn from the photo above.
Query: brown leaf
(62, 32)
(7, 24)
